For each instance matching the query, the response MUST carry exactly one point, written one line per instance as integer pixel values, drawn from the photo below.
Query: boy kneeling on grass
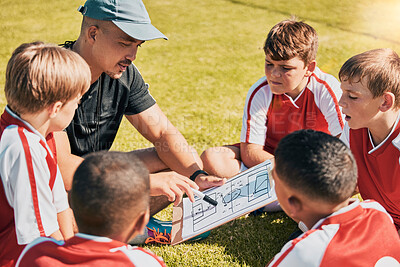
(110, 199)
(315, 175)
(43, 86)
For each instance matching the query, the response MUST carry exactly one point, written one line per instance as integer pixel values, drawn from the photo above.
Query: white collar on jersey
(354, 202)
(96, 238)
(396, 140)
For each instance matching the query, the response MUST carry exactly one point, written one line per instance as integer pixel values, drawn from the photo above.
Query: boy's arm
(65, 222)
(57, 235)
(67, 162)
(20, 193)
(253, 154)
(254, 127)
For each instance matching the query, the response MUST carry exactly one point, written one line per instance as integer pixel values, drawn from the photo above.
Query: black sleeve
(139, 95)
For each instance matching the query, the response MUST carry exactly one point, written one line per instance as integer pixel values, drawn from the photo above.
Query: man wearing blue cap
(111, 32)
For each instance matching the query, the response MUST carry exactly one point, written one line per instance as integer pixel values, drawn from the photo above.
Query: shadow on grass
(323, 22)
(253, 240)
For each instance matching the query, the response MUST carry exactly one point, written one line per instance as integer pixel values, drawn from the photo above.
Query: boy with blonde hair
(371, 102)
(43, 86)
(294, 94)
(315, 175)
(110, 200)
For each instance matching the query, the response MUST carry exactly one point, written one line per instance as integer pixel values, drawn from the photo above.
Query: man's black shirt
(98, 116)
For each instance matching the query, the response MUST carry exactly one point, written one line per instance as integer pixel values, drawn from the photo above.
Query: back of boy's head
(109, 191)
(316, 164)
(38, 75)
(380, 68)
(291, 38)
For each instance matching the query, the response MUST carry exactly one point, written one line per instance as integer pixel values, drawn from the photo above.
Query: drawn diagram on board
(241, 194)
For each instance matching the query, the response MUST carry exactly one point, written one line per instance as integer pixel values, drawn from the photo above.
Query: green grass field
(200, 78)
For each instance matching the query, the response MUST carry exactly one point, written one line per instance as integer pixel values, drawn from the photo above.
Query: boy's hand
(207, 181)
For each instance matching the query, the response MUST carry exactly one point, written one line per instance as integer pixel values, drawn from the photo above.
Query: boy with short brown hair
(371, 102)
(294, 94)
(43, 86)
(315, 175)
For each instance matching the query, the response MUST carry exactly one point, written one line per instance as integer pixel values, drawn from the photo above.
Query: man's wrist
(197, 173)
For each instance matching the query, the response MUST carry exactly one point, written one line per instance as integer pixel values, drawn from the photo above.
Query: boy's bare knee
(216, 160)
(210, 156)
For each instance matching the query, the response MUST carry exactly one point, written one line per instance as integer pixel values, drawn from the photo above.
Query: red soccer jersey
(378, 167)
(86, 250)
(9, 248)
(267, 117)
(361, 234)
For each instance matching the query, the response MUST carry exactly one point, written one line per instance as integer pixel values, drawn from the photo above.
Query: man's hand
(207, 181)
(172, 185)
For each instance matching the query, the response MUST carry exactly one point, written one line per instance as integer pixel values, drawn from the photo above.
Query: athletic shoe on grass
(159, 232)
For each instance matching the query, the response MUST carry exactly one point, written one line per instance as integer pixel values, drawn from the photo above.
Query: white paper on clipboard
(241, 194)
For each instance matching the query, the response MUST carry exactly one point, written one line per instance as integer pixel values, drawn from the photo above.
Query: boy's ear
(388, 101)
(311, 67)
(54, 109)
(141, 222)
(295, 207)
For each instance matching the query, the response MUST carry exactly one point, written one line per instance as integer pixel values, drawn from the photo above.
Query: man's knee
(151, 159)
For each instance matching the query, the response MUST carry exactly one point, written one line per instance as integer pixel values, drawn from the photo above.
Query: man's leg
(157, 204)
(222, 161)
(154, 164)
(150, 158)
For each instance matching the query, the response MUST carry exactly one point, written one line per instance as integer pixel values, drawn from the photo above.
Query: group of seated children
(315, 173)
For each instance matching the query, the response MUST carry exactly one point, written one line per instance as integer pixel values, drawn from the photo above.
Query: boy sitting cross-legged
(110, 200)
(371, 103)
(294, 94)
(315, 175)
(43, 86)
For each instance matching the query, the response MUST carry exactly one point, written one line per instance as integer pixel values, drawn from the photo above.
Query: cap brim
(143, 32)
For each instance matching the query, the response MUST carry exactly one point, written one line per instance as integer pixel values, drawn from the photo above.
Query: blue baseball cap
(129, 15)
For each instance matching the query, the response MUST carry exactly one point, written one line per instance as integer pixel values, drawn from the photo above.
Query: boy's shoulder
(142, 257)
(100, 249)
(260, 89)
(328, 236)
(13, 137)
(322, 80)
(12, 143)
